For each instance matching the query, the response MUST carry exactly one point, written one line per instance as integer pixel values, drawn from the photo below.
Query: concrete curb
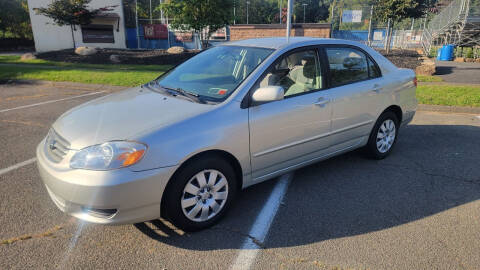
(450, 109)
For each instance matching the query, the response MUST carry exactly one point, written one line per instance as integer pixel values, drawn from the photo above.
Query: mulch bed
(403, 58)
(141, 57)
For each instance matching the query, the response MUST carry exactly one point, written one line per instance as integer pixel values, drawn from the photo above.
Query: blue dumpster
(446, 53)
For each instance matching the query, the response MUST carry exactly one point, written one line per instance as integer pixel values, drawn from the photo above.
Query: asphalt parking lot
(417, 209)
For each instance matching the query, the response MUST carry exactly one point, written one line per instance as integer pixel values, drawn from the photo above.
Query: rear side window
(347, 65)
(373, 70)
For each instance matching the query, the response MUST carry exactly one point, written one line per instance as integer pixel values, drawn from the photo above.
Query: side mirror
(268, 93)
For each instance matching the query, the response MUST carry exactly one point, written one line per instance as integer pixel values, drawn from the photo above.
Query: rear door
(355, 84)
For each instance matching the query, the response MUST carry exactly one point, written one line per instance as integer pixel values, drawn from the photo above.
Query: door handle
(322, 102)
(376, 88)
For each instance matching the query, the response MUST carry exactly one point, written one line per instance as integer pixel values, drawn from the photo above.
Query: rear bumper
(407, 117)
(128, 196)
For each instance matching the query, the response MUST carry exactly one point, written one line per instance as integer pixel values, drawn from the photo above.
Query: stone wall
(245, 31)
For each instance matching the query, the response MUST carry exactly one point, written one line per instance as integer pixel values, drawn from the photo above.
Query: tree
(71, 13)
(397, 10)
(14, 19)
(202, 16)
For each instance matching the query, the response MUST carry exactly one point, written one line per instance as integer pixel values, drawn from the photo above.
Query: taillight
(415, 81)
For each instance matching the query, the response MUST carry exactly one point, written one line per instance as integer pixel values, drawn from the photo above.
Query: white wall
(50, 37)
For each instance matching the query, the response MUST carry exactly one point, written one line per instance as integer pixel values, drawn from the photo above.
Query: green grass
(38, 69)
(449, 95)
(98, 76)
(15, 59)
(424, 78)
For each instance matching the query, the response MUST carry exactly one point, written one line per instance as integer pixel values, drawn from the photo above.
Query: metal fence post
(369, 41)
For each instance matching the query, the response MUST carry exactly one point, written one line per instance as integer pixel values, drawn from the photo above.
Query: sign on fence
(352, 16)
(155, 31)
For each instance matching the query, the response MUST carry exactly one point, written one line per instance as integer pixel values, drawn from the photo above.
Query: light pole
(248, 3)
(234, 12)
(304, 5)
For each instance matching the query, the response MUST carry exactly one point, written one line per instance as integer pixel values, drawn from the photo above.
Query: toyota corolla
(182, 146)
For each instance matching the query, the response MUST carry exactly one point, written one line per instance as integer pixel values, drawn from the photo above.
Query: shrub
(458, 51)
(433, 52)
(468, 52)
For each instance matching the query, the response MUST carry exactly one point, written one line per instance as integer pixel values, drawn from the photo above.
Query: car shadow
(443, 70)
(433, 168)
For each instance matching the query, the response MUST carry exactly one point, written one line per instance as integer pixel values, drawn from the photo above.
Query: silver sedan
(184, 145)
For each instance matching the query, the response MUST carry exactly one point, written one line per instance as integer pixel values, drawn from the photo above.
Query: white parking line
(50, 101)
(250, 248)
(18, 165)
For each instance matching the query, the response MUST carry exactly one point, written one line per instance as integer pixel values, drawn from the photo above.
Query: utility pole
(370, 27)
(248, 3)
(289, 18)
(304, 5)
(233, 11)
(151, 18)
(331, 16)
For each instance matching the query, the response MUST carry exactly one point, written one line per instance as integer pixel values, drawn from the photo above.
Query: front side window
(347, 65)
(215, 73)
(296, 73)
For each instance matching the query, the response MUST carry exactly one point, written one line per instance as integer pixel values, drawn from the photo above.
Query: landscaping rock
(28, 56)
(85, 51)
(115, 58)
(427, 70)
(477, 60)
(427, 67)
(459, 59)
(176, 50)
(469, 60)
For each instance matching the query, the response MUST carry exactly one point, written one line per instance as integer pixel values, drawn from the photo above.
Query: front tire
(200, 193)
(383, 136)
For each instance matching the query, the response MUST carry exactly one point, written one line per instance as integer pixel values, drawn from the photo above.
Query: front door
(296, 129)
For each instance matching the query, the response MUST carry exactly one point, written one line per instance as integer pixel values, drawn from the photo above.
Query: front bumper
(135, 196)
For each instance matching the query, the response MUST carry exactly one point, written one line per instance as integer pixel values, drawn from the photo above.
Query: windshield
(215, 73)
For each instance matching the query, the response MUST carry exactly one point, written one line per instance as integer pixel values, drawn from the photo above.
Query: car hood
(121, 115)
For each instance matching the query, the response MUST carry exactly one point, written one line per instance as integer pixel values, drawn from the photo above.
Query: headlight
(108, 156)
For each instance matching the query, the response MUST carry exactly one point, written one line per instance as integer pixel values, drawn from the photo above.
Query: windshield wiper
(193, 96)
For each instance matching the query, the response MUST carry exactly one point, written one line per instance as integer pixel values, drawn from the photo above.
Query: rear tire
(200, 193)
(383, 136)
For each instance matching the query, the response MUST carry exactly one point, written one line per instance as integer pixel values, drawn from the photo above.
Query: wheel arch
(213, 152)
(396, 110)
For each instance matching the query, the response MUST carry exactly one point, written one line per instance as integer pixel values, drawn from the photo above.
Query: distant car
(237, 114)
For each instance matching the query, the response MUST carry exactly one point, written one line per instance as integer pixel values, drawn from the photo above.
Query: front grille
(56, 147)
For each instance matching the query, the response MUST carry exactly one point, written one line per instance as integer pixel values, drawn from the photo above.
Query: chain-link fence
(356, 22)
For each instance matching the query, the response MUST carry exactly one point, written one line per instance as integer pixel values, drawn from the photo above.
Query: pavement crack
(48, 233)
(424, 171)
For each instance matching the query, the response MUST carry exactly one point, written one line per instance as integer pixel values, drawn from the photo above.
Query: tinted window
(215, 73)
(347, 65)
(296, 73)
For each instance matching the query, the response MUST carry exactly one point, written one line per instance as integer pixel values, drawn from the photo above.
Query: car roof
(281, 42)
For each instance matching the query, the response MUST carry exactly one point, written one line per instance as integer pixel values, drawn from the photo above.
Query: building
(245, 31)
(106, 31)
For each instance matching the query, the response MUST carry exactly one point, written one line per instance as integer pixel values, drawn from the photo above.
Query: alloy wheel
(386, 136)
